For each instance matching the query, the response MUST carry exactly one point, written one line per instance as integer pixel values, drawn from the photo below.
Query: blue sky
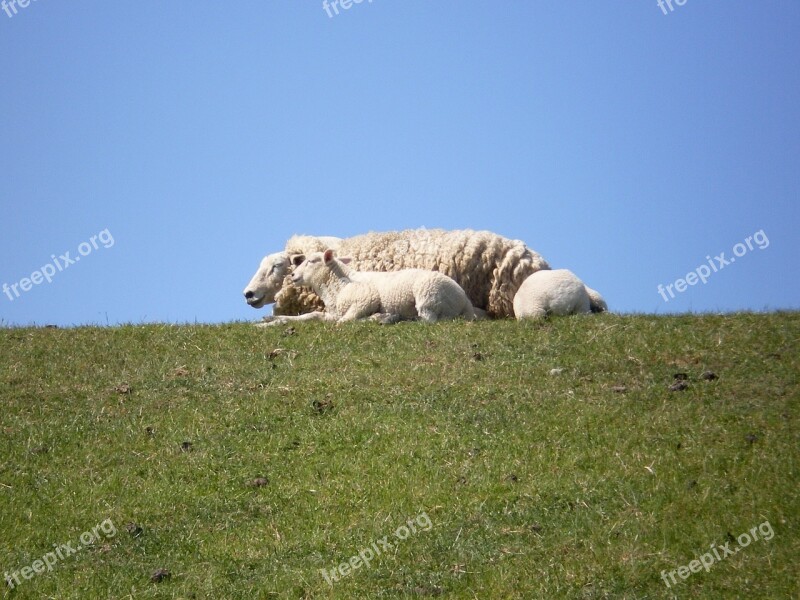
(618, 141)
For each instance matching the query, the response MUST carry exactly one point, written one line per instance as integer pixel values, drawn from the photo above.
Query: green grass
(536, 484)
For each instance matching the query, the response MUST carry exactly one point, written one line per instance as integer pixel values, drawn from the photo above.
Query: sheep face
(268, 280)
(312, 270)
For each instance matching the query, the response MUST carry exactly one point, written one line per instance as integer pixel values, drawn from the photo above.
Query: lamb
(556, 292)
(405, 294)
(489, 267)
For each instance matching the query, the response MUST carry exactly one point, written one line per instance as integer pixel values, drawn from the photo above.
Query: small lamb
(556, 292)
(396, 295)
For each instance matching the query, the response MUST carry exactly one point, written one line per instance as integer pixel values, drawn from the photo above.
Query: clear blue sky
(618, 141)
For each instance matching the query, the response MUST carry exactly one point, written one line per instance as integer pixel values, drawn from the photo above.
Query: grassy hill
(486, 460)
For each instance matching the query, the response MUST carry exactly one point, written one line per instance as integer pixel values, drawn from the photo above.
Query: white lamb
(556, 292)
(350, 295)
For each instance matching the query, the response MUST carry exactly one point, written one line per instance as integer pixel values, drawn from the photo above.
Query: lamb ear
(297, 259)
(346, 260)
(328, 256)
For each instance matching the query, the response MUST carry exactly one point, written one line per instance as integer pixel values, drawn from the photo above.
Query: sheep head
(318, 268)
(267, 280)
(310, 270)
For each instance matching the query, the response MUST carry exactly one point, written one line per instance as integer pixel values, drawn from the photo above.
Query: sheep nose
(248, 295)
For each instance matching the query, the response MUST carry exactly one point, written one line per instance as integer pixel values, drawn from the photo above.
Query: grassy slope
(536, 484)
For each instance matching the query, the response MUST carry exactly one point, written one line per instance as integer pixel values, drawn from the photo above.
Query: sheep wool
(296, 300)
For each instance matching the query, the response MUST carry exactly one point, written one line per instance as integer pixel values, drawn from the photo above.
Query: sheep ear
(328, 256)
(346, 260)
(297, 259)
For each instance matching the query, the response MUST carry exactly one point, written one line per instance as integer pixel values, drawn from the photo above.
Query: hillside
(485, 460)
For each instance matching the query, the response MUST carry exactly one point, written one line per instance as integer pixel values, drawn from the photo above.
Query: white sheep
(489, 267)
(556, 292)
(405, 294)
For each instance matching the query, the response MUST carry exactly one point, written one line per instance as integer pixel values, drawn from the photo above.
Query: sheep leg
(284, 319)
(353, 313)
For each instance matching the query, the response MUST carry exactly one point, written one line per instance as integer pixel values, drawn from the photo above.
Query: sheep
(489, 267)
(556, 292)
(404, 294)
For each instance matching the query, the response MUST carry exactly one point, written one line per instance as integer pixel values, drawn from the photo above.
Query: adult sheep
(393, 295)
(489, 267)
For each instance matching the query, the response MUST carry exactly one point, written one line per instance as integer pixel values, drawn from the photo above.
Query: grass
(552, 460)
